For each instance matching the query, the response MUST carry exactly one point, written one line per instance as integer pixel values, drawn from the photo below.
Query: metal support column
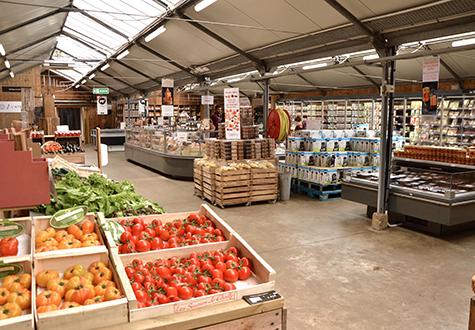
(265, 104)
(387, 115)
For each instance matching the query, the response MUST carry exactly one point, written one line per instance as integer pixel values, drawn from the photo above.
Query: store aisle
(334, 272)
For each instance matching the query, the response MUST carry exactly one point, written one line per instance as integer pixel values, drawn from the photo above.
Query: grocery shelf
(435, 163)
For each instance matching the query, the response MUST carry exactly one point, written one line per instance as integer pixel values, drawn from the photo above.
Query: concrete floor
(334, 272)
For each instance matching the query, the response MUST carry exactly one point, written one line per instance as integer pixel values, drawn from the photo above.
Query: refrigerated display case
(166, 151)
(429, 194)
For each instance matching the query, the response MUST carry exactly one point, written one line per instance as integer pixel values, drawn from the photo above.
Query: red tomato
(141, 296)
(199, 293)
(138, 220)
(138, 277)
(155, 243)
(190, 279)
(231, 275)
(232, 250)
(137, 229)
(164, 272)
(229, 286)
(220, 265)
(171, 291)
(218, 283)
(218, 232)
(125, 237)
(185, 292)
(244, 262)
(216, 273)
(231, 264)
(156, 223)
(137, 262)
(8, 247)
(231, 257)
(204, 279)
(164, 234)
(129, 271)
(204, 286)
(213, 291)
(244, 273)
(162, 299)
(136, 286)
(142, 246)
(150, 232)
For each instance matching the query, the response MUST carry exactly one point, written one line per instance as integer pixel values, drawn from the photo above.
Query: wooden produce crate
(209, 183)
(25, 321)
(42, 223)
(25, 241)
(232, 187)
(262, 279)
(109, 313)
(264, 185)
(198, 179)
(75, 157)
(204, 209)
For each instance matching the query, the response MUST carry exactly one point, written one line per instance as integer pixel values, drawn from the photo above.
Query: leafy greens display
(99, 194)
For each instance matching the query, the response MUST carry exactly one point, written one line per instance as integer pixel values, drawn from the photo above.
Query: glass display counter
(169, 152)
(114, 138)
(442, 196)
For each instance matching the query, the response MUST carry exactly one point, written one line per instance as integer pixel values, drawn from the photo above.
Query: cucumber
(11, 229)
(9, 269)
(68, 217)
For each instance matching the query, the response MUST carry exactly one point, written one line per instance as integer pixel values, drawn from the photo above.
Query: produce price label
(232, 114)
(207, 99)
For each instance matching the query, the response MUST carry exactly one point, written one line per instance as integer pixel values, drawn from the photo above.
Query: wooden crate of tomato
(16, 298)
(178, 280)
(83, 236)
(164, 231)
(78, 290)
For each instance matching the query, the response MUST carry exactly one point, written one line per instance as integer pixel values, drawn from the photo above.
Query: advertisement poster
(102, 105)
(430, 84)
(167, 97)
(232, 114)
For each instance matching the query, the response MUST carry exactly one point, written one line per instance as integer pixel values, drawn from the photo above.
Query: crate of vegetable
(173, 281)
(66, 233)
(81, 291)
(98, 194)
(164, 231)
(16, 298)
(15, 238)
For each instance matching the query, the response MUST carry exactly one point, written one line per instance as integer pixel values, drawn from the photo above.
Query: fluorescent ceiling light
(203, 4)
(370, 57)
(2, 50)
(83, 82)
(7, 64)
(12, 74)
(92, 76)
(315, 66)
(77, 86)
(235, 79)
(45, 64)
(123, 54)
(155, 33)
(105, 67)
(463, 42)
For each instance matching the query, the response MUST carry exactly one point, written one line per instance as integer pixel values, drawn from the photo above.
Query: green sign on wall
(101, 91)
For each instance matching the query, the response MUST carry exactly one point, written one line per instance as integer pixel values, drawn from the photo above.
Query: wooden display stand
(235, 187)
(237, 315)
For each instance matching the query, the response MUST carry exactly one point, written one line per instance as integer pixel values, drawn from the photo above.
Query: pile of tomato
(142, 237)
(8, 247)
(78, 286)
(169, 280)
(15, 295)
(75, 236)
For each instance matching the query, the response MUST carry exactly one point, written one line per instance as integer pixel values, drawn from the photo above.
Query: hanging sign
(430, 84)
(10, 106)
(207, 99)
(100, 90)
(232, 114)
(167, 97)
(143, 107)
(431, 69)
(102, 105)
